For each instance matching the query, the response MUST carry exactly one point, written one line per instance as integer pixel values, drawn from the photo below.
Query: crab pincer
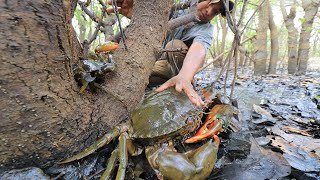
(214, 123)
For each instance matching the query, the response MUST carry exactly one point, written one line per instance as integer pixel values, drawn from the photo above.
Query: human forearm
(193, 61)
(183, 81)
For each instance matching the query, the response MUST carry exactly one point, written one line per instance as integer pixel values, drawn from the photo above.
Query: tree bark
(311, 8)
(261, 54)
(316, 45)
(223, 23)
(292, 36)
(274, 35)
(43, 117)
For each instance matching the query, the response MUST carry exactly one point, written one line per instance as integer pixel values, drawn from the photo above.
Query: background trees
(277, 31)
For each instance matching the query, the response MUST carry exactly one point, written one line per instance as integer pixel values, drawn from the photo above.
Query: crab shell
(164, 116)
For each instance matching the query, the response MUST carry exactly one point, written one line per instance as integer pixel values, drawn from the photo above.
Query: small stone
(19, 122)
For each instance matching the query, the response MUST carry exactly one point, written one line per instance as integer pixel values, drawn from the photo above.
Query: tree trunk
(241, 59)
(43, 117)
(261, 55)
(311, 8)
(292, 36)
(316, 45)
(223, 23)
(274, 55)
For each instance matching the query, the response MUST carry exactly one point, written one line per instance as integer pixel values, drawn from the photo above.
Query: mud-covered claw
(213, 123)
(193, 165)
(204, 158)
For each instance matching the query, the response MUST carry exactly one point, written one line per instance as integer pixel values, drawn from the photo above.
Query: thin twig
(99, 22)
(235, 45)
(214, 60)
(115, 8)
(231, 24)
(242, 31)
(104, 7)
(227, 72)
(245, 2)
(222, 70)
(87, 11)
(235, 70)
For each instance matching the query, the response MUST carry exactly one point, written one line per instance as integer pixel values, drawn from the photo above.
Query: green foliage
(302, 20)
(308, 29)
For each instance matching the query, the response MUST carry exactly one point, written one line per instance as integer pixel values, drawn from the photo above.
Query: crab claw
(212, 125)
(107, 47)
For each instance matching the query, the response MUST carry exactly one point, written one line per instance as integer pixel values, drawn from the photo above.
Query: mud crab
(158, 120)
(93, 69)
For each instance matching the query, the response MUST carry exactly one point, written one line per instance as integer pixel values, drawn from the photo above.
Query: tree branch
(188, 18)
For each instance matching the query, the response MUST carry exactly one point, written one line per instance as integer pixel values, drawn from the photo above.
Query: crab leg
(123, 157)
(111, 164)
(125, 147)
(106, 139)
(213, 123)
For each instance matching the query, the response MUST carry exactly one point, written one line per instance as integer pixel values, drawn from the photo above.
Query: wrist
(186, 75)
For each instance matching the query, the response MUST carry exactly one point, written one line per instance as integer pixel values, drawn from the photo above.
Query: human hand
(124, 7)
(182, 84)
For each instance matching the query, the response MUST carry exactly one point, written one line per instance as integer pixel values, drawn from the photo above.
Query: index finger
(193, 96)
(164, 86)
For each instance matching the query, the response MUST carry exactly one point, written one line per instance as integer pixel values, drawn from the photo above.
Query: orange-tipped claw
(211, 126)
(107, 47)
(216, 140)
